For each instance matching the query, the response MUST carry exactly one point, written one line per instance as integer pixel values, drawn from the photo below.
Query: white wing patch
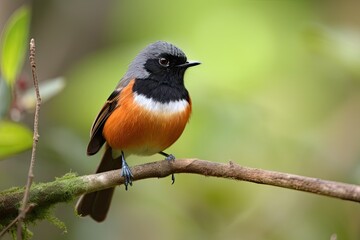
(153, 106)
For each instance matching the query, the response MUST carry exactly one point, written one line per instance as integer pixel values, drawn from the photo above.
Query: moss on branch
(43, 196)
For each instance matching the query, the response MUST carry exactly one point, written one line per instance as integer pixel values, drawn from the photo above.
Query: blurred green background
(279, 89)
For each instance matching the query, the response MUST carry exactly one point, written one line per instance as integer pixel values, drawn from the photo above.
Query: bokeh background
(279, 89)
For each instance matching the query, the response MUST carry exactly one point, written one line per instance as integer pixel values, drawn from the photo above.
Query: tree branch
(45, 195)
(24, 206)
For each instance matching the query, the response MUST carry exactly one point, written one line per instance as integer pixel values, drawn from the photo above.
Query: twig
(25, 201)
(67, 188)
(2, 233)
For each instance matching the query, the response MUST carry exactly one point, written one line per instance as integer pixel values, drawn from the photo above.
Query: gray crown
(136, 68)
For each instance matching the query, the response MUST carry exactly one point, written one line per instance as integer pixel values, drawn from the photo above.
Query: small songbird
(145, 114)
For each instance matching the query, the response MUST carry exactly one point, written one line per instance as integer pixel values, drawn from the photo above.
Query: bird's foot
(169, 157)
(126, 173)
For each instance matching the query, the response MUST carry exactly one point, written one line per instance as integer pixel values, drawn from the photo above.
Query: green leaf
(48, 89)
(13, 44)
(14, 138)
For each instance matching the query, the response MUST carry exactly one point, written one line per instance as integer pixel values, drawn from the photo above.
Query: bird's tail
(96, 204)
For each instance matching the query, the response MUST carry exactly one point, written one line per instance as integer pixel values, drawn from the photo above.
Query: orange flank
(137, 130)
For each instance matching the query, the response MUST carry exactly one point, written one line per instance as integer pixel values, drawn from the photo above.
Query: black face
(165, 65)
(166, 80)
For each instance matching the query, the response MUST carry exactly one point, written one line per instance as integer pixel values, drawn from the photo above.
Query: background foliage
(278, 89)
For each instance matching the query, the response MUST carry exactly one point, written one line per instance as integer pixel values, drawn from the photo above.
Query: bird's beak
(189, 64)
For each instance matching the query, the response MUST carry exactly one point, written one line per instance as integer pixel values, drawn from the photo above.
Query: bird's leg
(126, 172)
(169, 157)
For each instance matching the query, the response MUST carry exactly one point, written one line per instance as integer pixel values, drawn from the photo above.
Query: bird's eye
(164, 62)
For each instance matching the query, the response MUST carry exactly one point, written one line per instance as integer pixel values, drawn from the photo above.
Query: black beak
(189, 64)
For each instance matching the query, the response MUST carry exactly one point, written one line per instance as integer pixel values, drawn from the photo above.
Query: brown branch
(234, 171)
(28, 208)
(68, 188)
(24, 207)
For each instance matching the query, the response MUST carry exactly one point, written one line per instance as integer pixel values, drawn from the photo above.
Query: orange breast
(136, 129)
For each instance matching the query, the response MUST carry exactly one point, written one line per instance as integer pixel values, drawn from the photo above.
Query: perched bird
(145, 114)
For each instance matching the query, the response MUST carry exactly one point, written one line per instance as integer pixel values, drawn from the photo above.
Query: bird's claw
(170, 157)
(126, 173)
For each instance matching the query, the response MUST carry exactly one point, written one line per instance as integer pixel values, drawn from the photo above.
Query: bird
(145, 114)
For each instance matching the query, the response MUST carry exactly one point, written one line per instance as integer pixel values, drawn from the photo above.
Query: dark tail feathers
(96, 204)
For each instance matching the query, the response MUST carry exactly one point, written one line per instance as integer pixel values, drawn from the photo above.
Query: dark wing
(96, 137)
